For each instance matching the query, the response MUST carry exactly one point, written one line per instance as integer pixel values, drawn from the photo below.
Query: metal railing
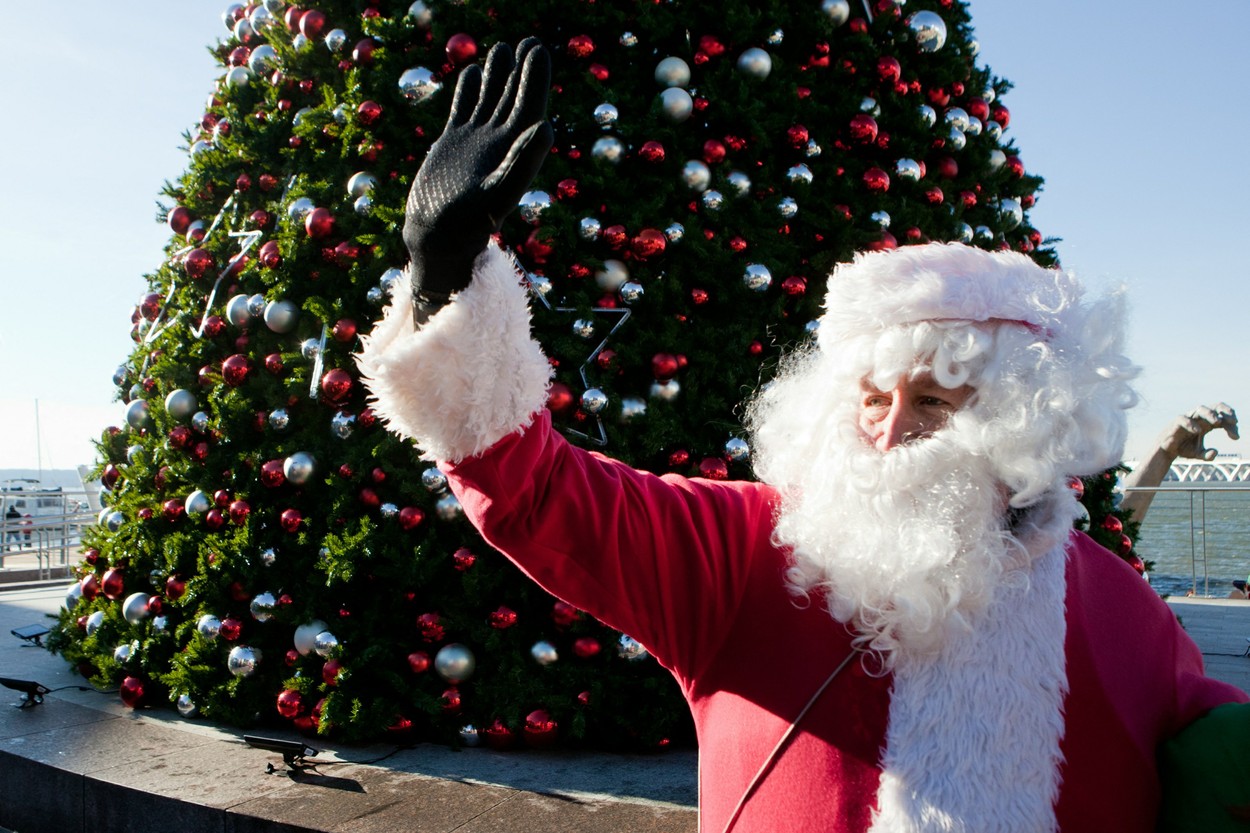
(49, 536)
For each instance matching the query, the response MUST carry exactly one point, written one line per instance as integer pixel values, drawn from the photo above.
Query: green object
(1205, 772)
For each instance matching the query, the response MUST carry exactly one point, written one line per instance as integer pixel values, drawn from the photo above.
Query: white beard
(908, 546)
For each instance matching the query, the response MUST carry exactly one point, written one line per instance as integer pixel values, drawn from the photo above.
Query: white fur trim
(470, 376)
(973, 736)
(943, 281)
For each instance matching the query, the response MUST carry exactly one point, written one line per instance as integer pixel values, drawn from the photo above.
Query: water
(1221, 527)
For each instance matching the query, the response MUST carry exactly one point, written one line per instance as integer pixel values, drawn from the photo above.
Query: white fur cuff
(470, 376)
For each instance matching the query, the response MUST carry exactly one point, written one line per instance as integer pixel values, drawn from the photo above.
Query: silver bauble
(199, 421)
(605, 115)
(299, 467)
(776, 37)
(299, 207)
(208, 626)
(740, 182)
(268, 556)
(434, 480)
(455, 663)
(199, 148)
(305, 638)
(281, 316)
(672, 72)
(121, 654)
(361, 183)
(928, 30)
(994, 130)
(963, 233)
(755, 62)
(262, 607)
(908, 169)
(631, 292)
(756, 277)
(389, 279)
(665, 391)
(310, 348)
(339, 114)
(325, 643)
(242, 660)
(974, 48)
(869, 105)
(839, 11)
(956, 140)
(342, 424)
(629, 648)
(137, 391)
(186, 706)
(420, 14)
(584, 328)
(632, 407)
(610, 277)
(676, 104)
(957, 117)
(1011, 213)
(299, 43)
(197, 503)
(180, 403)
(260, 18)
(974, 127)
(239, 76)
(539, 284)
(388, 510)
(544, 652)
(589, 228)
(237, 311)
(299, 117)
(113, 521)
(263, 60)
(799, 173)
(418, 84)
(94, 621)
(927, 115)
(881, 218)
(997, 159)
(159, 624)
(787, 207)
(256, 305)
(713, 200)
(812, 150)
(469, 735)
(279, 419)
(984, 234)
(737, 450)
(138, 414)
(230, 14)
(135, 608)
(73, 594)
(448, 508)
(335, 40)
(121, 375)
(674, 232)
(594, 400)
(696, 175)
(532, 206)
(628, 40)
(608, 149)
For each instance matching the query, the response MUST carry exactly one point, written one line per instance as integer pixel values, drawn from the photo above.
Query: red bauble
(410, 517)
(559, 398)
(311, 24)
(978, 108)
(678, 458)
(503, 618)
(150, 306)
(713, 151)
(1137, 564)
(291, 657)
(651, 151)
(946, 167)
(883, 243)
(272, 474)
(90, 586)
(273, 363)
(540, 730)
(362, 52)
(369, 498)
(368, 114)
(664, 366)
(1002, 115)
(156, 605)
(319, 223)
(269, 255)
(344, 330)
(173, 509)
(131, 692)
(430, 626)
(614, 236)
(179, 220)
(795, 286)
(290, 703)
(235, 369)
(564, 614)
(968, 198)
(889, 70)
(461, 49)
(463, 559)
(498, 735)
(877, 180)
(214, 520)
(419, 662)
(113, 584)
(199, 452)
(451, 700)
(581, 46)
(214, 326)
(933, 195)
(290, 520)
(1112, 524)
(863, 128)
(1126, 547)
(587, 647)
(336, 384)
(180, 437)
(239, 510)
(174, 587)
(649, 242)
(798, 136)
(583, 698)
(713, 468)
(330, 672)
(599, 71)
(231, 629)
(1014, 166)
(91, 556)
(110, 476)
(1077, 485)
(197, 263)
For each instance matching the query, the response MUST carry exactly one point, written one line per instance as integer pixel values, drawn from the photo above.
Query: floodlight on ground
(32, 634)
(292, 751)
(34, 691)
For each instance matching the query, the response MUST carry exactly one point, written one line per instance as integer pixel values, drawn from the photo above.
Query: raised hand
(1186, 437)
(495, 140)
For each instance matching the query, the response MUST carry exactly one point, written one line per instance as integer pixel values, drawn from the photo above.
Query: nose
(901, 425)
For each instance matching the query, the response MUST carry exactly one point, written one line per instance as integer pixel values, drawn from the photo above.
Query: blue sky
(1135, 113)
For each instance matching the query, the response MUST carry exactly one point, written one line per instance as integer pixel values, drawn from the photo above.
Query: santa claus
(896, 629)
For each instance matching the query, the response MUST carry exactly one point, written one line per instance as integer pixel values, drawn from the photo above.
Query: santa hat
(945, 281)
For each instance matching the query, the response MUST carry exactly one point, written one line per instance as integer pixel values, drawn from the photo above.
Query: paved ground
(82, 762)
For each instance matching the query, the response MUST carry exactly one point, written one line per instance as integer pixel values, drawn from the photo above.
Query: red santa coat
(687, 568)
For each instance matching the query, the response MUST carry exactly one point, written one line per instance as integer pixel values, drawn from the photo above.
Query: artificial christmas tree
(269, 552)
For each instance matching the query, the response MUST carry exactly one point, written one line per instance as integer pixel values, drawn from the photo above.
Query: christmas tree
(268, 552)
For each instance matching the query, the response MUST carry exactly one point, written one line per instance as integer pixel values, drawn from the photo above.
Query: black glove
(496, 138)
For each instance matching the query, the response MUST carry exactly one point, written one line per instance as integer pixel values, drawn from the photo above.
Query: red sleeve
(663, 559)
